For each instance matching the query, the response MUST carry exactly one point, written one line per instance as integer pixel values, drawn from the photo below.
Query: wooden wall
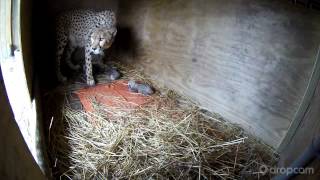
(55, 7)
(248, 60)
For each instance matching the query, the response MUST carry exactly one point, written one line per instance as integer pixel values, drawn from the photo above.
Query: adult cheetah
(93, 31)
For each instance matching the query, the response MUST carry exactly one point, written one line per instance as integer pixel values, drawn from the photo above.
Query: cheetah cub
(93, 31)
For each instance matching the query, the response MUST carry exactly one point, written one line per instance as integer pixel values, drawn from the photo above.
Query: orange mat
(115, 94)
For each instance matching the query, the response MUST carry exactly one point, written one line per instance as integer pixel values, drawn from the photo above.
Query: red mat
(115, 94)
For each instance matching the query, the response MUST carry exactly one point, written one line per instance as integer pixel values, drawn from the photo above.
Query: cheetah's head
(102, 39)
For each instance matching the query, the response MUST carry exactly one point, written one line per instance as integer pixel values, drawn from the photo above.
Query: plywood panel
(247, 60)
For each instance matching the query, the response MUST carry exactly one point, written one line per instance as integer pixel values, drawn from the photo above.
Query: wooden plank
(304, 106)
(24, 33)
(5, 29)
(248, 60)
(16, 161)
(307, 130)
(15, 20)
(305, 127)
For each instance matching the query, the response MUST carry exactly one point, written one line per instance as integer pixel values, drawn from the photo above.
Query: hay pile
(170, 137)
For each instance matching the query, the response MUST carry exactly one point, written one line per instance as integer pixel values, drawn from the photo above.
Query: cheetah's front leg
(88, 66)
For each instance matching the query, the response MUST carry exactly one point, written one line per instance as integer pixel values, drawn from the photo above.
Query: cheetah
(93, 31)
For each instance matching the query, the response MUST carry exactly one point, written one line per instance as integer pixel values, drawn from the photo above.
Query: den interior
(244, 72)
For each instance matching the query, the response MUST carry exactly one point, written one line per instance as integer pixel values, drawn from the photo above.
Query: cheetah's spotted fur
(95, 31)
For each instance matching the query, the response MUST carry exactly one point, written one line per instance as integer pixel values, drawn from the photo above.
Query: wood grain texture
(247, 60)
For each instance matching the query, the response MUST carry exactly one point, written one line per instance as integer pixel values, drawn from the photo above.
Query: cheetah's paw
(76, 67)
(90, 82)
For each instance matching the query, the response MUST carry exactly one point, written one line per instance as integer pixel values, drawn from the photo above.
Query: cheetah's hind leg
(99, 64)
(69, 50)
(61, 44)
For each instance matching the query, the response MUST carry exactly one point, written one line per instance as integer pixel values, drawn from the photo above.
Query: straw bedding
(168, 138)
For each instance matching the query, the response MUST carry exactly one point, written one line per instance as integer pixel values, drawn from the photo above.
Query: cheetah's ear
(113, 17)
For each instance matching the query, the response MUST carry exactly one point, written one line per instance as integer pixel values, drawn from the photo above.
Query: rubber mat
(115, 94)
